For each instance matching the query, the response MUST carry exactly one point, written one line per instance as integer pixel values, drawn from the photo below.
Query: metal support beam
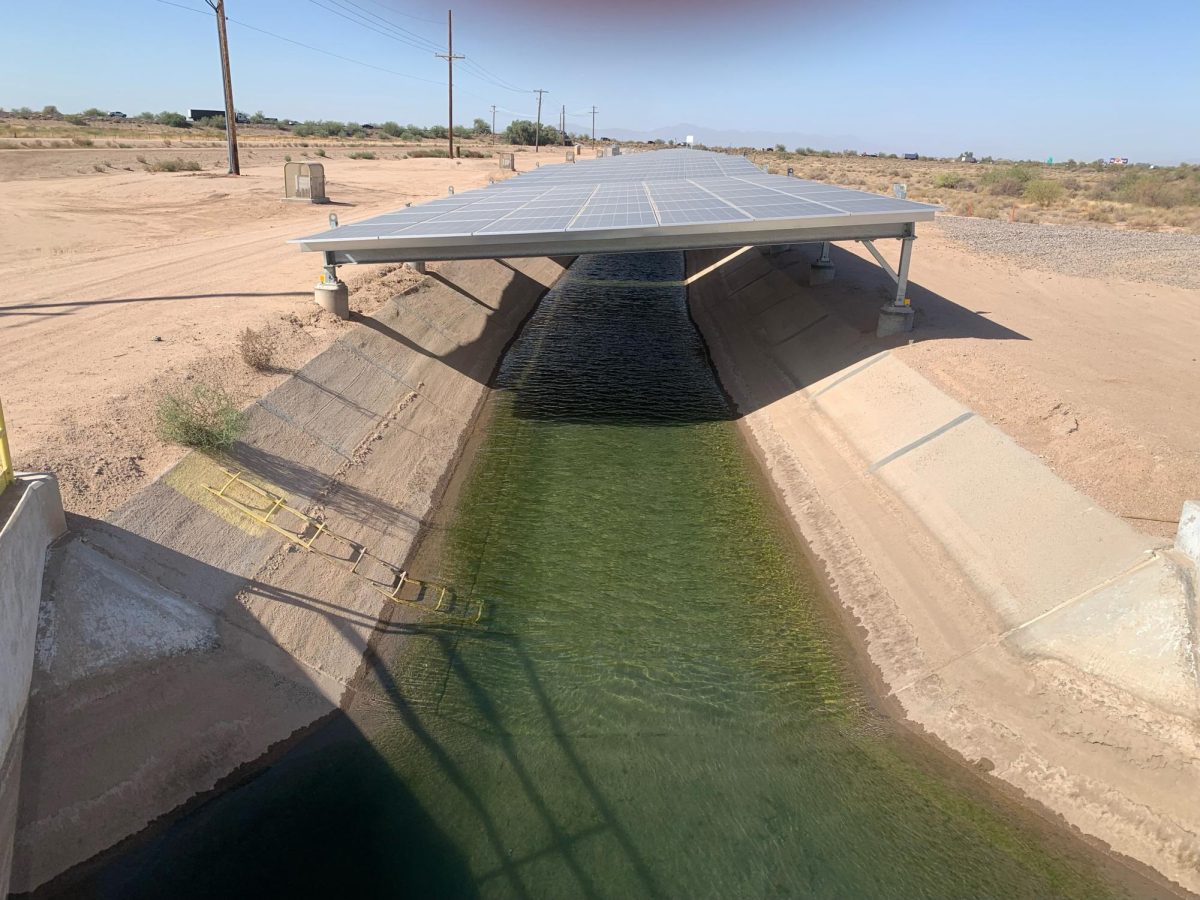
(825, 260)
(901, 276)
(329, 269)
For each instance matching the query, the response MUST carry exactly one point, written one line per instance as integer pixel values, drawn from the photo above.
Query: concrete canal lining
(180, 640)
(1034, 632)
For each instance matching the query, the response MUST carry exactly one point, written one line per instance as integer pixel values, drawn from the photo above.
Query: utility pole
(493, 124)
(218, 7)
(594, 111)
(562, 124)
(450, 57)
(537, 135)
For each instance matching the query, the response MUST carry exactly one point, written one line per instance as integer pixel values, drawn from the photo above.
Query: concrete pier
(333, 298)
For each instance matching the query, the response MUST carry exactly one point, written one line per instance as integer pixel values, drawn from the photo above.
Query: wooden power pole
(537, 135)
(450, 57)
(235, 168)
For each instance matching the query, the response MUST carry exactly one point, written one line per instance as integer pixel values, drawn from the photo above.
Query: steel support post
(824, 260)
(902, 271)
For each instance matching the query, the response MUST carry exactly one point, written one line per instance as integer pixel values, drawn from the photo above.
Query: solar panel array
(665, 189)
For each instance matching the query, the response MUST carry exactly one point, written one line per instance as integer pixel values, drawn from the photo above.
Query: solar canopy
(666, 199)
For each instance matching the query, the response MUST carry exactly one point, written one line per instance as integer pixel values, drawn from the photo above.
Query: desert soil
(125, 284)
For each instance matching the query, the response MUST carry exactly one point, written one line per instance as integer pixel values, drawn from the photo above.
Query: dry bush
(174, 165)
(1044, 191)
(204, 417)
(257, 349)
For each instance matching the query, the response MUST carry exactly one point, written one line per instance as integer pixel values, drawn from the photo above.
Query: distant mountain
(729, 137)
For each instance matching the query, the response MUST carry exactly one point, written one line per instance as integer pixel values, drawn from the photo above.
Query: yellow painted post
(6, 464)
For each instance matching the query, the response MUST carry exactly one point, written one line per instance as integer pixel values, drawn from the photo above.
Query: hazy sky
(1061, 79)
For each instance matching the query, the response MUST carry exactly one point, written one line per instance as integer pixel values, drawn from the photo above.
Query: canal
(659, 701)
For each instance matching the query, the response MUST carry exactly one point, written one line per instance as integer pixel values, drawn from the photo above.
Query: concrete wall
(180, 639)
(32, 516)
(1007, 612)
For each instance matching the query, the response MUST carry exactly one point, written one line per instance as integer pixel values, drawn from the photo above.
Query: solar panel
(652, 196)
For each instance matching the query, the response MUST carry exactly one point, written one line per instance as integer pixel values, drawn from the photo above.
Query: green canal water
(659, 702)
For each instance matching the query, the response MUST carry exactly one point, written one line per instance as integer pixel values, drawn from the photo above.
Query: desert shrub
(438, 153)
(99, 167)
(203, 417)
(475, 154)
(51, 111)
(93, 113)
(75, 119)
(82, 142)
(287, 157)
(142, 160)
(1163, 189)
(320, 151)
(145, 117)
(947, 180)
(1043, 191)
(178, 164)
(172, 119)
(257, 349)
(1009, 181)
(362, 154)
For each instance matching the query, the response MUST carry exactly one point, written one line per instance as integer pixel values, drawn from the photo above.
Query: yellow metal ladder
(312, 535)
(6, 463)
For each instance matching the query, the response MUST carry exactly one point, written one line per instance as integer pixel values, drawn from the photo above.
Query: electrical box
(304, 181)
(508, 161)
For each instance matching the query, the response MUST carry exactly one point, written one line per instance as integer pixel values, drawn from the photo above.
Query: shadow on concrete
(812, 332)
(331, 814)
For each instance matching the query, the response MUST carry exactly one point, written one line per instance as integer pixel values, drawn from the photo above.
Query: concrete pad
(1026, 539)
(126, 620)
(1134, 633)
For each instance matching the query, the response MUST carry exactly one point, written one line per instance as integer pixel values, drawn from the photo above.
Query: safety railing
(6, 463)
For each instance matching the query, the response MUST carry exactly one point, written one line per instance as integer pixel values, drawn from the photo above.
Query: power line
(363, 22)
(322, 50)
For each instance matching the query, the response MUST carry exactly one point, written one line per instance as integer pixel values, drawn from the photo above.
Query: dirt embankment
(121, 285)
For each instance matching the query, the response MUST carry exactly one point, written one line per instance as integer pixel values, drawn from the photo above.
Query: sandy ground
(124, 284)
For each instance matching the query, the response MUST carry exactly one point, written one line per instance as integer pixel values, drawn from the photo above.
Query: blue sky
(1066, 79)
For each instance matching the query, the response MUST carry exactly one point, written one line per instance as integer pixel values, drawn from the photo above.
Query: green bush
(523, 132)
(203, 417)
(437, 153)
(74, 119)
(320, 151)
(391, 129)
(948, 180)
(82, 142)
(172, 119)
(362, 154)
(1044, 191)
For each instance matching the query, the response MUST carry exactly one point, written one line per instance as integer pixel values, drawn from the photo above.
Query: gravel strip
(1147, 256)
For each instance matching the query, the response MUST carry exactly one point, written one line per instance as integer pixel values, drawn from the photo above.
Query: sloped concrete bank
(179, 639)
(1034, 632)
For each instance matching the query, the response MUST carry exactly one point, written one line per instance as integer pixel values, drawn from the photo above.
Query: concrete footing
(333, 298)
(418, 267)
(820, 273)
(894, 320)
(1187, 539)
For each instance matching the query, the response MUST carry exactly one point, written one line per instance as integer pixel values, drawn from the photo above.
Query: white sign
(691, 139)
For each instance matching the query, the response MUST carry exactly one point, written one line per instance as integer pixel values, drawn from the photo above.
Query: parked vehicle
(912, 155)
(117, 114)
